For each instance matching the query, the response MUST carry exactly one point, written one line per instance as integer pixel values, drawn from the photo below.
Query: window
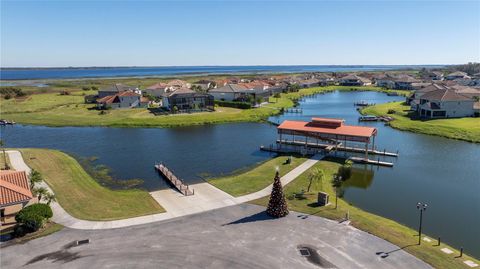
(2, 213)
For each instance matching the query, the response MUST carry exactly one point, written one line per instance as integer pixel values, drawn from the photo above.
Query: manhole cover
(311, 254)
(304, 252)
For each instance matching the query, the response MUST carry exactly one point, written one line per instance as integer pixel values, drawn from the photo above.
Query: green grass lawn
(53, 109)
(389, 230)
(256, 179)
(80, 195)
(467, 129)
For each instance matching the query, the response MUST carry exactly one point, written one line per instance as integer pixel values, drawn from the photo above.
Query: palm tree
(315, 175)
(49, 197)
(337, 184)
(35, 177)
(40, 192)
(2, 144)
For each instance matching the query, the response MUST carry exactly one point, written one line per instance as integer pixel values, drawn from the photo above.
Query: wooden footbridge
(174, 180)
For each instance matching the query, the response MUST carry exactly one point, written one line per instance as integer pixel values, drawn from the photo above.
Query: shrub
(241, 105)
(34, 216)
(19, 230)
(391, 111)
(86, 88)
(94, 88)
(7, 96)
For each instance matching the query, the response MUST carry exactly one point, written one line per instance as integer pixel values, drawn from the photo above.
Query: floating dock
(368, 161)
(338, 147)
(174, 180)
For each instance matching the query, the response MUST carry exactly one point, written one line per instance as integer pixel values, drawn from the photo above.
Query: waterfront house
(157, 89)
(398, 82)
(354, 80)
(126, 99)
(239, 92)
(324, 79)
(116, 89)
(15, 194)
(445, 103)
(457, 75)
(177, 84)
(186, 100)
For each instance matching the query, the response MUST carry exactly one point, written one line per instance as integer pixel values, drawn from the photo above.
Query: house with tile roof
(15, 194)
(354, 80)
(126, 99)
(457, 75)
(187, 100)
(445, 103)
(239, 92)
(116, 89)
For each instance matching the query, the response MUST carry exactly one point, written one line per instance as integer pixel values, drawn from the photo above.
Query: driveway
(239, 236)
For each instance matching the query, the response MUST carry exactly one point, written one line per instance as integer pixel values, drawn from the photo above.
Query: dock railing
(178, 183)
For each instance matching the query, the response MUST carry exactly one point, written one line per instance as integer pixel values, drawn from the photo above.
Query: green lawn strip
(467, 129)
(256, 179)
(81, 196)
(52, 109)
(387, 229)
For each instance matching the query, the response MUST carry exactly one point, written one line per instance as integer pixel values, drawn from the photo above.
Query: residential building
(126, 99)
(186, 100)
(239, 92)
(457, 75)
(116, 89)
(445, 103)
(354, 80)
(399, 82)
(157, 89)
(15, 194)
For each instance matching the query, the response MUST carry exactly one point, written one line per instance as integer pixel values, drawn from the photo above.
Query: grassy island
(467, 129)
(80, 195)
(54, 109)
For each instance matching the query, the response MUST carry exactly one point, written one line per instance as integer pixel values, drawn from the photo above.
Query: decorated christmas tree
(277, 206)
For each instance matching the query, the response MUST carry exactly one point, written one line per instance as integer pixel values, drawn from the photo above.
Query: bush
(94, 88)
(86, 88)
(20, 230)
(391, 111)
(241, 105)
(33, 217)
(7, 96)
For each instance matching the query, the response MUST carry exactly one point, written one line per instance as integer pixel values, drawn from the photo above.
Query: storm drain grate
(304, 252)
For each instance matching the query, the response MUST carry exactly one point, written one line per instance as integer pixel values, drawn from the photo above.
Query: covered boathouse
(327, 134)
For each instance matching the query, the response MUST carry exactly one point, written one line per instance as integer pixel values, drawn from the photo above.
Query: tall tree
(277, 206)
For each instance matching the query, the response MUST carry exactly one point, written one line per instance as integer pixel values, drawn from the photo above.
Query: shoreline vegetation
(56, 110)
(81, 195)
(392, 231)
(467, 129)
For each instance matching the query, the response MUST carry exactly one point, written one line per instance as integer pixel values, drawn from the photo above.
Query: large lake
(441, 172)
(96, 72)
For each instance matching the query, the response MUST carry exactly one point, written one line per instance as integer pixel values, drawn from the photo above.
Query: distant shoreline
(55, 73)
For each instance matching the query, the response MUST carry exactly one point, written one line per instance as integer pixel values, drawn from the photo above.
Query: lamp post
(421, 207)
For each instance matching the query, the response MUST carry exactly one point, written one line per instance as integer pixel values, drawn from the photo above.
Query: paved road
(206, 197)
(240, 236)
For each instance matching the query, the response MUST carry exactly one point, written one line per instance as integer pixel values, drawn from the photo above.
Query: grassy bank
(256, 179)
(80, 195)
(53, 109)
(467, 129)
(389, 230)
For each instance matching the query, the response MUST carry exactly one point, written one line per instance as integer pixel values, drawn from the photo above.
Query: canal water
(441, 172)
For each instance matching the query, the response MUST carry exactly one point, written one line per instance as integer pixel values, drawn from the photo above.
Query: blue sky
(159, 33)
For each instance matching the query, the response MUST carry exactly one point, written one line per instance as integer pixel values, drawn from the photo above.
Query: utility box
(322, 199)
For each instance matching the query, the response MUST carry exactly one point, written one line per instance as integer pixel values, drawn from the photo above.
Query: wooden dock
(174, 180)
(368, 161)
(338, 147)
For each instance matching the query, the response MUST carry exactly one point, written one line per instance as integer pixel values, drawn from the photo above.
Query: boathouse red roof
(328, 126)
